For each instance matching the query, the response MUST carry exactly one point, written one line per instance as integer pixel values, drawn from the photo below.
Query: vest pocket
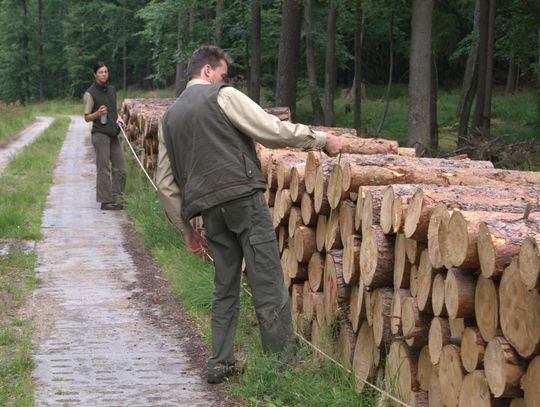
(249, 166)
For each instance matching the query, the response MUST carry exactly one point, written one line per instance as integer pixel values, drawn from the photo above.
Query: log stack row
(419, 273)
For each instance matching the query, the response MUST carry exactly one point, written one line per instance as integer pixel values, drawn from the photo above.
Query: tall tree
(420, 81)
(41, 62)
(469, 85)
(358, 45)
(318, 116)
(482, 116)
(254, 89)
(289, 55)
(330, 65)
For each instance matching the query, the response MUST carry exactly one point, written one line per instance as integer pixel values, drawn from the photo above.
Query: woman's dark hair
(206, 54)
(99, 64)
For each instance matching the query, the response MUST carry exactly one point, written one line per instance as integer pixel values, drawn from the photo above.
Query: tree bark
(255, 52)
(419, 133)
(318, 115)
(289, 55)
(358, 45)
(330, 65)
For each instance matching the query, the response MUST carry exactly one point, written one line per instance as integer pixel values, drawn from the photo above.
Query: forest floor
(107, 330)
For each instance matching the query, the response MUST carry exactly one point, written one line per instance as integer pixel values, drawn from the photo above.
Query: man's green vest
(211, 160)
(104, 95)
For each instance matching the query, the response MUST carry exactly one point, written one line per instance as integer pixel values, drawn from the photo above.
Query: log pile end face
(519, 312)
(486, 251)
(529, 263)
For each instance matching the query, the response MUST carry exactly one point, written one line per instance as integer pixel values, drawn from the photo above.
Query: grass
(25, 184)
(23, 189)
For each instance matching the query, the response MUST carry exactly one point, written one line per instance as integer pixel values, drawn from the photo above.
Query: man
(207, 165)
(100, 108)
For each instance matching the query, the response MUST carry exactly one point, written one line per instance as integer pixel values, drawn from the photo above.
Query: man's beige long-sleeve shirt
(250, 119)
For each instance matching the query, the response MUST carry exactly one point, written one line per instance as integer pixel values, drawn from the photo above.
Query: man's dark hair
(206, 54)
(99, 64)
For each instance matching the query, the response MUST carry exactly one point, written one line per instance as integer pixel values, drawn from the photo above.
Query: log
(425, 283)
(473, 348)
(334, 191)
(395, 311)
(316, 272)
(434, 393)
(439, 336)
(413, 281)
(285, 267)
(529, 262)
(304, 243)
(530, 382)
(346, 219)
(358, 145)
(399, 213)
(424, 369)
(366, 356)
(333, 236)
(295, 220)
(518, 402)
(285, 204)
(463, 235)
(320, 198)
(401, 370)
(361, 195)
(321, 232)
(471, 198)
(351, 260)
(451, 375)
(377, 258)
(283, 239)
(519, 312)
(414, 324)
(381, 306)
(371, 208)
(459, 290)
(437, 295)
(314, 159)
(440, 214)
(486, 308)
(345, 344)
(309, 216)
(297, 294)
(309, 301)
(419, 399)
(357, 309)
(336, 292)
(297, 271)
(414, 250)
(402, 266)
(504, 368)
(475, 391)
(285, 166)
(301, 325)
(499, 241)
(297, 185)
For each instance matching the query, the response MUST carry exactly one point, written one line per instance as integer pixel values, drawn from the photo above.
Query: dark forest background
(284, 51)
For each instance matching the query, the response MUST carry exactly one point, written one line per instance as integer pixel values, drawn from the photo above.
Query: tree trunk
(470, 82)
(358, 45)
(41, 61)
(255, 56)
(459, 291)
(390, 71)
(336, 292)
(289, 55)
(511, 75)
(179, 81)
(330, 65)
(377, 258)
(419, 133)
(318, 115)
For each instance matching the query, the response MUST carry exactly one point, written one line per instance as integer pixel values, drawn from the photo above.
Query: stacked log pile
(418, 273)
(422, 273)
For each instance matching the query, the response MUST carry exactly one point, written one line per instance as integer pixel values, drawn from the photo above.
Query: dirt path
(107, 331)
(11, 146)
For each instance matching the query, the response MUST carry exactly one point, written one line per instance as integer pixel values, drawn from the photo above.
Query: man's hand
(120, 122)
(195, 243)
(333, 144)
